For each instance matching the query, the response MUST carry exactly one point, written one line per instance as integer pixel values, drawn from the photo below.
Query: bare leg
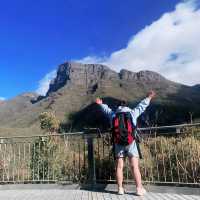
(119, 171)
(134, 164)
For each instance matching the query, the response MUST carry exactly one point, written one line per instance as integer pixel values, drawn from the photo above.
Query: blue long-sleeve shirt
(135, 113)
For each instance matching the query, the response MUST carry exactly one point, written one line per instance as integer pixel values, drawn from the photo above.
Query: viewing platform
(74, 192)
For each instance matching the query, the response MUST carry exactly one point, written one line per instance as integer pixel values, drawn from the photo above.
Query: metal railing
(170, 155)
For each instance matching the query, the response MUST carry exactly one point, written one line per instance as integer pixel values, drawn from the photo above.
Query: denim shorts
(122, 151)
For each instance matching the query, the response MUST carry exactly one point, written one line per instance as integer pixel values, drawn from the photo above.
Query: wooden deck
(87, 195)
(63, 193)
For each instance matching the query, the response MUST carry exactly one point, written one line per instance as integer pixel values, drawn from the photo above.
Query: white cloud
(2, 99)
(44, 83)
(91, 60)
(170, 46)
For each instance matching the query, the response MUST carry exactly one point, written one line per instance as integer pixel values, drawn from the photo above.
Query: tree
(49, 122)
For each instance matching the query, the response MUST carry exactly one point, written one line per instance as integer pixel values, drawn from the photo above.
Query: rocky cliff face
(78, 74)
(141, 76)
(90, 75)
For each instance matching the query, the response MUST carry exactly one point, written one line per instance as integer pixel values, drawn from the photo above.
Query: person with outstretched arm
(130, 150)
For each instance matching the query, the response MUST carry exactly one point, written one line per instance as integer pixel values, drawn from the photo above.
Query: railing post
(91, 161)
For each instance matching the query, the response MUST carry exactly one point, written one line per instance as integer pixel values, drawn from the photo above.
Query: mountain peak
(80, 74)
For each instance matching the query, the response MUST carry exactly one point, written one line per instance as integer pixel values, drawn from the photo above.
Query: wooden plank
(56, 194)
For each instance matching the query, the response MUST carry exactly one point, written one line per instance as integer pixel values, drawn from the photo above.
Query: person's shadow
(104, 189)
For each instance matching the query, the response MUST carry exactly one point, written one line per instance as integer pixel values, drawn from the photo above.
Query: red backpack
(122, 128)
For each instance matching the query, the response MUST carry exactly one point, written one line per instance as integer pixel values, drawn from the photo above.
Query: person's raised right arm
(141, 107)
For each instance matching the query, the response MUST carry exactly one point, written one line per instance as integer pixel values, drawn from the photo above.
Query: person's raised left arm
(105, 108)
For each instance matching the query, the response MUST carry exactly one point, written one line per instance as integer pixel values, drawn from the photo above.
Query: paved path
(62, 194)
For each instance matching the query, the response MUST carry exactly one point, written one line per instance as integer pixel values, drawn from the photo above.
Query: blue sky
(37, 36)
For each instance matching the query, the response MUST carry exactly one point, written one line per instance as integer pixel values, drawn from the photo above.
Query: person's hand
(151, 94)
(99, 101)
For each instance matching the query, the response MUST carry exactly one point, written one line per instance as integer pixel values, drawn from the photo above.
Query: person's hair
(122, 103)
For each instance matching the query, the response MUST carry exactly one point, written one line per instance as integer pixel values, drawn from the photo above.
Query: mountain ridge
(77, 85)
(78, 73)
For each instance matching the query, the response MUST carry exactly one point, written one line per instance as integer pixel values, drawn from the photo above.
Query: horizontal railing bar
(34, 136)
(168, 127)
(31, 181)
(103, 180)
(82, 132)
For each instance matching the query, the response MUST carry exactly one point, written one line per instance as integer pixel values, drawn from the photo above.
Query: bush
(53, 159)
(49, 122)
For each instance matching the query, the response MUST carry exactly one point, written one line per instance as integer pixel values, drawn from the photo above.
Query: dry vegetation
(165, 159)
(59, 158)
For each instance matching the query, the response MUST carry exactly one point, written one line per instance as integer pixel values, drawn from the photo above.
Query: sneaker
(121, 190)
(141, 191)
